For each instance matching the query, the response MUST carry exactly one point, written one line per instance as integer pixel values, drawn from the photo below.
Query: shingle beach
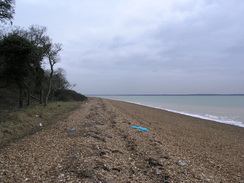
(98, 144)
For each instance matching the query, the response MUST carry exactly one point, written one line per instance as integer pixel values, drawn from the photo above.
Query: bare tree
(59, 81)
(53, 58)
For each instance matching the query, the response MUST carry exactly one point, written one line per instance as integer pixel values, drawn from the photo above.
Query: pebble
(27, 179)
(61, 175)
(181, 163)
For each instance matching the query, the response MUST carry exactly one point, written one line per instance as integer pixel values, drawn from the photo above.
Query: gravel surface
(104, 148)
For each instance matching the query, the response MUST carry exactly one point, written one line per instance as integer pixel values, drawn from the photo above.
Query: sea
(227, 109)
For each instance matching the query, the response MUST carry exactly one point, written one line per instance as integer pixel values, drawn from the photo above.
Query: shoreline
(104, 148)
(229, 122)
(234, 123)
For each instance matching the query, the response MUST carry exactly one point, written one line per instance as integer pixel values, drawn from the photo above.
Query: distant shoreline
(92, 95)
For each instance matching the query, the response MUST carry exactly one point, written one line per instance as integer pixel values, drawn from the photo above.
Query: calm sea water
(224, 109)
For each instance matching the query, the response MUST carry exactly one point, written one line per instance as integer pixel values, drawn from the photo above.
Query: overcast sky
(145, 46)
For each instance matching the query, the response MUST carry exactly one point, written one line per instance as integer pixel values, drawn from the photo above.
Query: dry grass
(17, 124)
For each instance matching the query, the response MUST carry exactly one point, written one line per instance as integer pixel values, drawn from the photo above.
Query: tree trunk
(53, 91)
(20, 95)
(48, 91)
(28, 95)
(50, 83)
(41, 96)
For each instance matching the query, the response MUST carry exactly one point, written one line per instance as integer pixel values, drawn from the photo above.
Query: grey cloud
(146, 46)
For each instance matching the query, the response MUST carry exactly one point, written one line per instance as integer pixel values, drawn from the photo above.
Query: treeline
(24, 56)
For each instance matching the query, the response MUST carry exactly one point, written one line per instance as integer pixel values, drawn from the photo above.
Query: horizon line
(193, 94)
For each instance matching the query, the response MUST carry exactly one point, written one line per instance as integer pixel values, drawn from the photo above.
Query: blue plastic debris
(71, 130)
(140, 128)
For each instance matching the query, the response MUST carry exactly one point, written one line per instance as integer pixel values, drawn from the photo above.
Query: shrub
(68, 95)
